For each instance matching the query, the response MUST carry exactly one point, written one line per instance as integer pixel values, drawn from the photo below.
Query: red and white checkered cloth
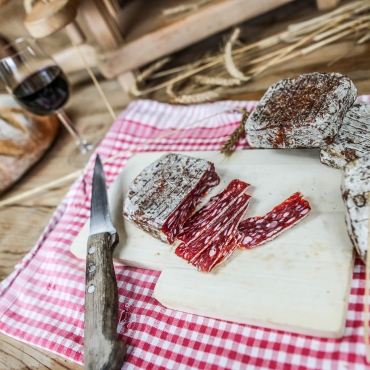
(42, 301)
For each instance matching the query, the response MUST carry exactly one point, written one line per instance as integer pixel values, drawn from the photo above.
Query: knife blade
(102, 348)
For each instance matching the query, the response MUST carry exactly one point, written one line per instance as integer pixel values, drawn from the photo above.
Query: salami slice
(258, 230)
(222, 246)
(209, 213)
(166, 193)
(190, 251)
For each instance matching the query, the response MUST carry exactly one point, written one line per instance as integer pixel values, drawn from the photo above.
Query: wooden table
(18, 235)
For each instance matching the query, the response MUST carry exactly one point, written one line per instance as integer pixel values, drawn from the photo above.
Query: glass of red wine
(39, 85)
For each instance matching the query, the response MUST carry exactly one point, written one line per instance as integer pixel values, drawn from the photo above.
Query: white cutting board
(298, 282)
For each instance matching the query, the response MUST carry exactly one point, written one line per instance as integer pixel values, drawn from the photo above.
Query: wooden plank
(18, 355)
(101, 24)
(177, 35)
(70, 60)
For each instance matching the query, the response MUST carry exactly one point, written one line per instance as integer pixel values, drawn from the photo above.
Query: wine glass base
(80, 155)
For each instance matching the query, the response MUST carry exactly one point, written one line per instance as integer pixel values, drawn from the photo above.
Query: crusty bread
(301, 112)
(23, 140)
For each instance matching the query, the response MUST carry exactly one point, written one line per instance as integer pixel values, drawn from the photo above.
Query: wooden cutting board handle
(102, 348)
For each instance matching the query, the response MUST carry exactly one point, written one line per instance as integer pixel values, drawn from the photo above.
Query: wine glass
(39, 85)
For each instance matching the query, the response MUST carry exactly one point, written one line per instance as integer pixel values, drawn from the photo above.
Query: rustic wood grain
(102, 348)
(15, 355)
(17, 236)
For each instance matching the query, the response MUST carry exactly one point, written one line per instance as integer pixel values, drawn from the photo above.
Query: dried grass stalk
(351, 7)
(302, 35)
(363, 39)
(229, 62)
(74, 175)
(185, 7)
(12, 120)
(134, 90)
(341, 27)
(8, 147)
(151, 69)
(329, 40)
(229, 147)
(195, 98)
(216, 81)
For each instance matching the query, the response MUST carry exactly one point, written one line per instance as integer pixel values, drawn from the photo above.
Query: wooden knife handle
(102, 348)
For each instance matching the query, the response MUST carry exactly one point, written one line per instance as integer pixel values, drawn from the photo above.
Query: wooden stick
(341, 27)
(229, 62)
(363, 39)
(323, 18)
(299, 43)
(92, 76)
(261, 44)
(280, 54)
(313, 47)
(76, 174)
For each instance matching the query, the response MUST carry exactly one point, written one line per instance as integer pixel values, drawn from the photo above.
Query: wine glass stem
(83, 145)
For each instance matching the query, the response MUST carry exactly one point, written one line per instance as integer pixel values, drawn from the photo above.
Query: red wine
(44, 92)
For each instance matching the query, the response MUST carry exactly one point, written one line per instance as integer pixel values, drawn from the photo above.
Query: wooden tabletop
(18, 235)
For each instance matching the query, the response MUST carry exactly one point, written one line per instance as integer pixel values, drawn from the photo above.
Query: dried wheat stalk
(141, 77)
(8, 147)
(8, 116)
(229, 62)
(195, 98)
(216, 81)
(152, 68)
(341, 27)
(74, 175)
(229, 147)
(363, 39)
(307, 37)
(185, 7)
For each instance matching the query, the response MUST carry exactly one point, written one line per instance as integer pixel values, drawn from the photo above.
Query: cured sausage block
(301, 112)
(355, 192)
(353, 139)
(166, 193)
(258, 230)
(209, 213)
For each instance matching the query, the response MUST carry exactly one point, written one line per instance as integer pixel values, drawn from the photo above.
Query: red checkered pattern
(41, 302)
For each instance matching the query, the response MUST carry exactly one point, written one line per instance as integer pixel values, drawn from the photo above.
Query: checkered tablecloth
(42, 301)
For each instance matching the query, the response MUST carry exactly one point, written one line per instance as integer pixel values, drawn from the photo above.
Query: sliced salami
(165, 194)
(190, 251)
(258, 230)
(222, 246)
(208, 214)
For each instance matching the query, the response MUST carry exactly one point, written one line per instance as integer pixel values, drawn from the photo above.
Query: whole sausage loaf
(301, 112)
(355, 192)
(353, 139)
(166, 193)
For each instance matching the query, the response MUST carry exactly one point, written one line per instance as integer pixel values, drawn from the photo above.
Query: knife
(102, 348)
